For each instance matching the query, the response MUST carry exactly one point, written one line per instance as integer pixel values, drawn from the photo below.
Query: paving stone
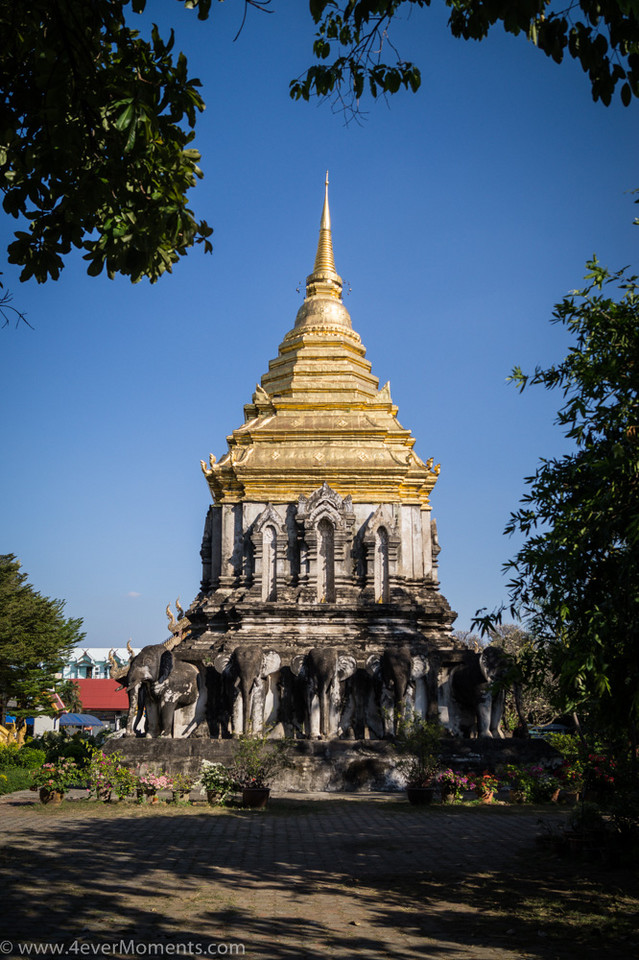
(327, 881)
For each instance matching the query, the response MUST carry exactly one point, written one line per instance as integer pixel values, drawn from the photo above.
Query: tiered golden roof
(319, 414)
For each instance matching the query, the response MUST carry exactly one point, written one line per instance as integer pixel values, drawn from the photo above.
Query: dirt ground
(366, 877)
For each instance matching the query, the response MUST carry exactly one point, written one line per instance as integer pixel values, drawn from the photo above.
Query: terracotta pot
(48, 795)
(517, 796)
(213, 797)
(487, 797)
(419, 796)
(569, 796)
(255, 796)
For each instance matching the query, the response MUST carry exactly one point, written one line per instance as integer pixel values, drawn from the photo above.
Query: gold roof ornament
(324, 280)
(319, 414)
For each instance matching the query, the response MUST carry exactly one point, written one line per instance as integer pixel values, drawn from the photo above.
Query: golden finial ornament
(324, 281)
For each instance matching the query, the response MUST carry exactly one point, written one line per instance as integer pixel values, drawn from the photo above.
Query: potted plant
(417, 741)
(108, 774)
(53, 780)
(151, 783)
(452, 785)
(182, 786)
(255, 762)
(520, 784)
(486, 786)
(571, 778)
(217, 781)
(600, 774)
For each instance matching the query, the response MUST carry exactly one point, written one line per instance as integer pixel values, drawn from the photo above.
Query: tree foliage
(95, 139)
(530, 675)
(69, 693)
(36, 640)
(355, 38)
(575, 577)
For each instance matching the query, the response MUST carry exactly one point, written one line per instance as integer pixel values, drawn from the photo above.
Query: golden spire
(324, 281)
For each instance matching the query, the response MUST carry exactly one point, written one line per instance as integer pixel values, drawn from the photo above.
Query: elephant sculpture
(168, 689)
(247, 670)
(322, 670)
(397, 673)
(152, 664)
(476, 707)
(177, 704)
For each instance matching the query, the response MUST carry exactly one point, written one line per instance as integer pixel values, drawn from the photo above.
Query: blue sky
(460, 216)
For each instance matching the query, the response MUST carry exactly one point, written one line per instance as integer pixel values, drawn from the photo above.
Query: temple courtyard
(364, 876)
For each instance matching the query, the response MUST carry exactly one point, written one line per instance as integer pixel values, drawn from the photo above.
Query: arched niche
(326, 520)
(381, 566)
(268, 538)
(381, 543)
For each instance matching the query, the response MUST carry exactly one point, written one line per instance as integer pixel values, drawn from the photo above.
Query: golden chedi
(319, 551)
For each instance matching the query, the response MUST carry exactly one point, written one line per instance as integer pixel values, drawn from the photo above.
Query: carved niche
(326, 520)
(269, 539)
(381, 543)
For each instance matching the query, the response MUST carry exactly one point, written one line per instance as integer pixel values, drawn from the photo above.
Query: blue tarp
(79, 720)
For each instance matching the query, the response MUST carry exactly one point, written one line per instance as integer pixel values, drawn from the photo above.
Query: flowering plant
(535, 783)
(152, 782)
(108, 774)
(451, 782)
(484, 785)
(571, 774)
(56, 776)
(600, 770)
(216, 779)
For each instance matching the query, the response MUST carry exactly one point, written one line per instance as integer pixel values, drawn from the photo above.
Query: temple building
(320, 543)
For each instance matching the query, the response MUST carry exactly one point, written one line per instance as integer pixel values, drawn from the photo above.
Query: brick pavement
(370, 877)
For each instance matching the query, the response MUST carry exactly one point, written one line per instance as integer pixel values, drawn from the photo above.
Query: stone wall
(340, 766)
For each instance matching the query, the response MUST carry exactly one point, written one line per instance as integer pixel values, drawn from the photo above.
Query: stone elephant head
(479, 706)
(396, 670)
(323, 669)
(247, 669)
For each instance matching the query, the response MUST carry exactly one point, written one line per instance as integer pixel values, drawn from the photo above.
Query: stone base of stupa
(335, 766)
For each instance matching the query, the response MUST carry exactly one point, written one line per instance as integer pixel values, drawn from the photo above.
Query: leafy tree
(35, 642)
(474, 641)
(69, 693)
(354, 36)
(531, 695)
(95, 132)
(575, 576)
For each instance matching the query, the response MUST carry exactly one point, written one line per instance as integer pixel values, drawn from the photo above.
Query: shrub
(26, 756)
(56, 776)
(256, 759)
(14, 778)
(418, 742)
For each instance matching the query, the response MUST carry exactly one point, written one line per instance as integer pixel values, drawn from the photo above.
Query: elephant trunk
(246, 685)
(322, 693)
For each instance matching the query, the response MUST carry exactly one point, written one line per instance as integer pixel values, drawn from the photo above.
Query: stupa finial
(324, 281)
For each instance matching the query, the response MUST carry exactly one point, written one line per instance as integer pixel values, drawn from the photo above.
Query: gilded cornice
(319, 415)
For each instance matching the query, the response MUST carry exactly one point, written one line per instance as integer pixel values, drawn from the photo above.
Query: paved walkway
(365, 877)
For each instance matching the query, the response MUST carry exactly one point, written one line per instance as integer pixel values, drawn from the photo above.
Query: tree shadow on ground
(322, 882)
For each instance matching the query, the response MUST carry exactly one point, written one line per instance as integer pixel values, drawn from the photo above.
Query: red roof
(102, 695)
